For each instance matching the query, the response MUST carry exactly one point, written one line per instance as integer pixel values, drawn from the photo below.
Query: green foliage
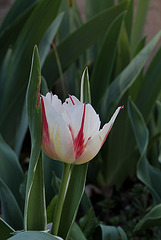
(6, 230)
(152, 218)
(108, 232)
(10, 208)
(17, 77)
(108, 40)
(69, 49)
(35, 236)
(35, 210)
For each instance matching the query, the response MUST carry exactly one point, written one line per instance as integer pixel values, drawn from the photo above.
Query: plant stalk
(60, 200)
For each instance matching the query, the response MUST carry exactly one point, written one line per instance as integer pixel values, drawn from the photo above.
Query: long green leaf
(11, 33)
(104, 64)
(21, 132)
(48, 38)
(123, 55)
(5, 230)
(10, 210)
(141, 13)
(126, 78)
(16, 11)
(34, 236)
(151, 219)
(104, 232)
(50, 166)
(129, 18)
(75, 191)
(149, 175)
(150, 86)
(43, 51)
(3, 70)
(35, 211)
(116, 171)
(69, 49)
(9, 168)
(76, 233)
(93, 7)
(18, 72)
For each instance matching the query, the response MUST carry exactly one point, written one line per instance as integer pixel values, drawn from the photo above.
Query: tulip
(71, 131)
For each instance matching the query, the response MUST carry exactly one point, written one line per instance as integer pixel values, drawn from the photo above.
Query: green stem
(60, 199)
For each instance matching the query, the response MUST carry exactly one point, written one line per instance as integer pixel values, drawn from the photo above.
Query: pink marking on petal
(46, 138)
(51, 95)
(106, 134)
(110, 127)
(78, 141)
(71, 99)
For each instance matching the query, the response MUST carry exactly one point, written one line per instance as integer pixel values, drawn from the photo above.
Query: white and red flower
(71, 131)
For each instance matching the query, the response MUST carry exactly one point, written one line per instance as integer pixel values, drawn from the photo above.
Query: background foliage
(107, 40)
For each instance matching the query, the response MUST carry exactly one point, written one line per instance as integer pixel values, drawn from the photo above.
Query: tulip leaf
(51, 209)
(22, 129)
(117, 171)
(85, 87)
(104, 232)
(43, 51)
(3, 70)
(9, 168)
(9, 35)
(129, 19)
(150, 86)
(5, 230)
(88, 223)
(35, 211)
(50, 166)
(75, 191)
(11, 212)
(16, 11)
(18, 71)
(69, 49)
(48, 38)
(123, 54)
(93, 7)
(126, 78)
(104, 64)
(34, 235)
(151, 219)
(148, 174)
(137, 30)
(76, 233)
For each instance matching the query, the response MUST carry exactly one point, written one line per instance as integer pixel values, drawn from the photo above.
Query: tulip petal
(71, 130)
(92, 122)
(59, 145)
(103, 133)
(55, 102)
(95, 143)
(73, 116)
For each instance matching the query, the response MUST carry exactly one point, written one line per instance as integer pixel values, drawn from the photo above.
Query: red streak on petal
(107, 134)
(46, 138)
(51, 95)
(78, 141)
(71, 99)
